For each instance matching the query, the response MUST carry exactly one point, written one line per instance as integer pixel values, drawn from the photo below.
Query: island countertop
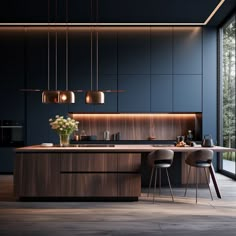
(118, 148)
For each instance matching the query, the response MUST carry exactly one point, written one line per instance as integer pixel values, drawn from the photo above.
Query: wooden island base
(88, 176)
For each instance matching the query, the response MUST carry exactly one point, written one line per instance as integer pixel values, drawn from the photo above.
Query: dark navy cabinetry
(187, 50)
(187, 93)
(161, 93)
(134, 52)
(136, 97)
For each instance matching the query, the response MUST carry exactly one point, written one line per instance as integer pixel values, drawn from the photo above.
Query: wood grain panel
(37, 175)
(129, 185)
(141, 126)
(129, 162)
(89, 162)
(89, 185)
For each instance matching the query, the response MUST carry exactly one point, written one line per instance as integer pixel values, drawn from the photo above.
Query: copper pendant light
(94, 96)
(58, 96)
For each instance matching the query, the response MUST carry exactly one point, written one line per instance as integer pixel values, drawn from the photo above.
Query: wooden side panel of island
(37, 175)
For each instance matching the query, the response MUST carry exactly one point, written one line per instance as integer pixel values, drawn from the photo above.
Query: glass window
(228, 90)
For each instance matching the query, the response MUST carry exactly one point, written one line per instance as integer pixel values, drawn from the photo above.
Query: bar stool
(160, 159)
(199, 159)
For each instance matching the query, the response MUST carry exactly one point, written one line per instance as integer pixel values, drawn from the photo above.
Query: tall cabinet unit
(134, 70)
(12, 79)
(161, 87)
(187, 69)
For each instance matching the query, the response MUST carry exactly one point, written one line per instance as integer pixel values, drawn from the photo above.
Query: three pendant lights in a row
(67, 96)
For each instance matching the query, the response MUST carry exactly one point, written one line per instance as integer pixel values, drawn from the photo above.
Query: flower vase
(64, 140)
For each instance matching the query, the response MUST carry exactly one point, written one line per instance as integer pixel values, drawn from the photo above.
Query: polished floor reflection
(183, 217)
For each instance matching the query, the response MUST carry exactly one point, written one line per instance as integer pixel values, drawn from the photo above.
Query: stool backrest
(199, 156)
(159, 155)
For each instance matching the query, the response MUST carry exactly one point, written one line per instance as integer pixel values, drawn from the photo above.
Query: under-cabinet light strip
(120, 24)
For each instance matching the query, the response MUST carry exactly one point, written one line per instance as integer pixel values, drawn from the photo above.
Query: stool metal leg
(196, 182)
(155, 184)
(159, 181)
(169, 185)
(208, 183)
(150, 182)
(187, 181)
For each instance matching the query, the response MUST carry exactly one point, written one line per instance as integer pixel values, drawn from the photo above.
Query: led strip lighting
(118, 24)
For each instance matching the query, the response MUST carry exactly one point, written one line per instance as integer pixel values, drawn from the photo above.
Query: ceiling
(117, 11)
(163, 11)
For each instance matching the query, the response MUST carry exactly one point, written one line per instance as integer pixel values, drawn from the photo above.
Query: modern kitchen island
(87, 171)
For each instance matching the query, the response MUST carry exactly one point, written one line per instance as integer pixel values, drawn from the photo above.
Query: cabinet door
(129, 162)
(134, 52)
(161, 50)
(88, 162)
(161, 93)
(37, 175)
(187, 51)
(187, 93)
(12, 64)
(129, 185)
(89, 185)
(136, 97)
(7, 156)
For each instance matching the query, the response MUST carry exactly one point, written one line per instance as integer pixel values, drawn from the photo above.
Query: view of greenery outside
(229, 90)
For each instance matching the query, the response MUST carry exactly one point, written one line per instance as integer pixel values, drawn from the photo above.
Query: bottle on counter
(189, 137)
(106, 135)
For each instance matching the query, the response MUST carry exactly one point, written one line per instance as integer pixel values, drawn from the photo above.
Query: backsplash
(135, 126)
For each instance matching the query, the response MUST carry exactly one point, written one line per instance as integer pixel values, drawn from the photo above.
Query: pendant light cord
(97, 45)
(97, 57)
(67, 72)
(91, 48)
(48, 45)
(56, 50)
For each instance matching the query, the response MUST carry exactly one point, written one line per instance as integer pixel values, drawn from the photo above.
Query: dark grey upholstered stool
(160, 159)
(199, 159)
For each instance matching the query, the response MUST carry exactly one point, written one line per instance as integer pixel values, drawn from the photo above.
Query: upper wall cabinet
(161, 93)
(187, 50)
(161, 50)
(107, 52)
(187, 93)
(136, 97)
(134, 52)
(12, 64)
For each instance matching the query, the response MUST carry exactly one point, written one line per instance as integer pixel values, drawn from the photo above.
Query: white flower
(63, 125)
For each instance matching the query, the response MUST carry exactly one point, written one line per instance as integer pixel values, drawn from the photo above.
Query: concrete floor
(183, 217)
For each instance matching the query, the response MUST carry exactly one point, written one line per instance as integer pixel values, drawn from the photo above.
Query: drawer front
(129, 185)
(129, 162)
(88, 185)
(89, 162)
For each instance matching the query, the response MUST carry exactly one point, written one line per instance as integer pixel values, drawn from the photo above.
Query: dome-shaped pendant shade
(58, 96)
(66, 97)
(94, 97)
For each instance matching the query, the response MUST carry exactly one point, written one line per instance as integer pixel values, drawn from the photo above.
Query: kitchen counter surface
(118, 148)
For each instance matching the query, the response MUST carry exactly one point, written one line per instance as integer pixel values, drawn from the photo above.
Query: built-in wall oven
(11, 133)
